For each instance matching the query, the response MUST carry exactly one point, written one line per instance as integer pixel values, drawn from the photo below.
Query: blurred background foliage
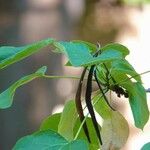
(26, 21)
(136, 2)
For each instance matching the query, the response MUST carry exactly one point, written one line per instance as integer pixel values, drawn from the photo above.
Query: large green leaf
(91, 47)
(116, 46)
(65, 127)
(79, 55)
(52, 123)
(6, 97)
(48, 140)
(137, 99)
(10, 55)
(146, 146)
(76, 53)
(138, 103)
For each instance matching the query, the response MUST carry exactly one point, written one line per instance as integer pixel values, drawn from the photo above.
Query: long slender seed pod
(89, 104)
(79, 104)
(105, 98)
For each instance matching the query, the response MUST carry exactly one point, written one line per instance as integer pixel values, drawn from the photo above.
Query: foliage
(136, 2)
(67, 130)
(146, 146)
(48, 140)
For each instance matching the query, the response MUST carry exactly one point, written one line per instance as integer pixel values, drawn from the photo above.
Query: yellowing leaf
(115, 128)
(114, 132)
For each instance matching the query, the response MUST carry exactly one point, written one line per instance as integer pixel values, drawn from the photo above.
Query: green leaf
(101, 107)
(41, 140)
(138, 103)
(59, 48)
(121, 78)
(101, 73)
(117, 47)
(10, 55)
(137, 99)
(92, 47)
(65, 127)
(48, 140)
(123, 66)
(76, 145)
(114, 131)
(106, 56)
(146, 146)
(76, 53)
(6, 97)
(79, 55)
(51, 122)
(68, 63)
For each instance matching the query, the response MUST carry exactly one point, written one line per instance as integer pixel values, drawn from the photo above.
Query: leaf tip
(42, 70)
